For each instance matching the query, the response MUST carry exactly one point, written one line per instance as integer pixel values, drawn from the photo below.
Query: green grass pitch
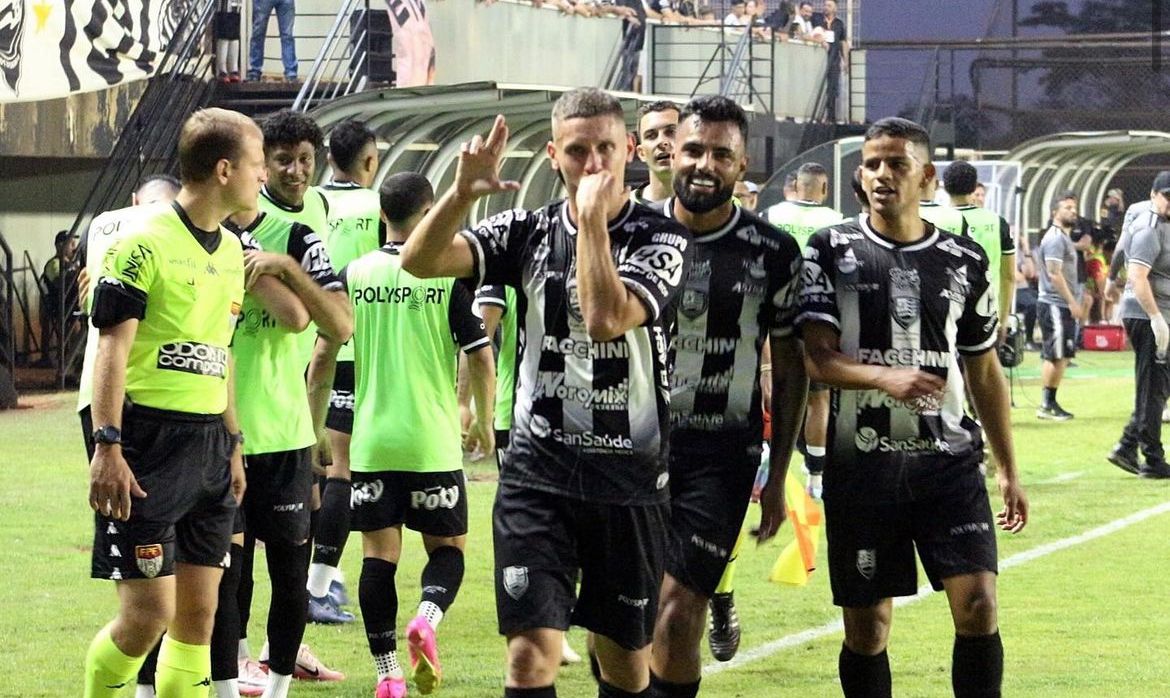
(1087, 617)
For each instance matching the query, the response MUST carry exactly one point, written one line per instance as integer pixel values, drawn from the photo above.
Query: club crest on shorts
(515, 581)
(867, 563)
(149, 559)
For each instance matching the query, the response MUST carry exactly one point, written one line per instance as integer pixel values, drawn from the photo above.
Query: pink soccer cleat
(424, 655)
(391, 687)
(252, 679)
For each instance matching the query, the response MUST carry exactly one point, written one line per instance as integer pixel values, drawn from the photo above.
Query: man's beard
(701, 203)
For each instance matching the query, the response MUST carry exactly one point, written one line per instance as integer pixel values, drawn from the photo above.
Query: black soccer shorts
(543, 540)
(182, 462)
(341, 399)
(277, 504)
(431, 503)
(709, 494)
(871, 544)
(1058, 330)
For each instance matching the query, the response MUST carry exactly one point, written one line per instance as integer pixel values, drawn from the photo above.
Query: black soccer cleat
(723, 627)
(1054, 412)
(1158, 470)
(1125, 459)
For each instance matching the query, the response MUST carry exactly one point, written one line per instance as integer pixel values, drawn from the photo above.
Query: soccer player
(988, 229)
(657, 122)
(583, 485)
(1058, 308)
(741, 293)
(354, 229)
(888, 306)
(167, 470)
(800, 218)
(410, 327)
(943, 217)
(271, 367)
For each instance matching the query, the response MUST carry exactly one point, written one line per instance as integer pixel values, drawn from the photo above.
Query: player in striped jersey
(583, 482)
(741, 293)
(888, 305)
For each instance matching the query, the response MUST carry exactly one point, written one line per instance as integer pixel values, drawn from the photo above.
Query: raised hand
(478, 173)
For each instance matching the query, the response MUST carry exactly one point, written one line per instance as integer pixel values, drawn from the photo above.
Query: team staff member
(413, 327)
(657, 122)
(988, 229)
(1144, 310)
(888, 306)
(800, 218)
(355, 228)
(268, 357)
(167, 470)
(741, 293)
(583, 483)
(1058, 308)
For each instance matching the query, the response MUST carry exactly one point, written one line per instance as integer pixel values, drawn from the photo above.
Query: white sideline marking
(1063, 477)
(769, 648)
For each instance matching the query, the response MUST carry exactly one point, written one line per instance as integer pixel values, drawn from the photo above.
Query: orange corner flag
(798, 559)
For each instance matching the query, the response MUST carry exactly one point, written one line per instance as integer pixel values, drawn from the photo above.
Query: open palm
(478, 173)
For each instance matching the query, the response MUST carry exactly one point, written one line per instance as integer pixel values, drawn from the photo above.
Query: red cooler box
(1103, 338)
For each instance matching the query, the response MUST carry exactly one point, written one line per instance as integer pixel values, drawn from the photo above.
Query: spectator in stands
(57, 276)
(738, 16)
(285, 14)
(836, 41)
(633, 39)
(707, 15)
(801, 26)
(414, 45)
(774, 23)
(227, 40)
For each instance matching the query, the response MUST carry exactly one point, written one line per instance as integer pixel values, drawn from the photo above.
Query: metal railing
(741, 66)
(345, 62)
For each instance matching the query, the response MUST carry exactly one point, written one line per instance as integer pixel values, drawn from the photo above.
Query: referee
(167, 471)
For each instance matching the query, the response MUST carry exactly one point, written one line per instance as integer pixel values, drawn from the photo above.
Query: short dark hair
(714, 109)
(858, 189)
(287, 127)
(346, 142)
(158, 177)
(208, 136)
(585, 103)
(657, 106)
(1062, 196)
(811, 169)
(897, 127)
(404, 194)
(790, 179)
(961, 178)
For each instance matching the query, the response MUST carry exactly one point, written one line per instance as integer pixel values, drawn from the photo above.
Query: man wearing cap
(1144, 308)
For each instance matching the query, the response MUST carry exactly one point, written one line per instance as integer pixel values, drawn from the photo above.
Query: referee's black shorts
(182, 462)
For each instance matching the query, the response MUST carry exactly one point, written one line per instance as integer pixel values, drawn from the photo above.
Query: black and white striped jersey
(590, 420)
(915, 305)
(742, 288)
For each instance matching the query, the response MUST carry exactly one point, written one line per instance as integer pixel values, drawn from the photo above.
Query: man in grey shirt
(1058, 309)
(1143, 311)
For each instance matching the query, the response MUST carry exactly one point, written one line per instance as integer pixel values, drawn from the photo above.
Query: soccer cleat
(338, 594)
(391, 687)
(308, 667)
(723, 627)
(568, 656)
(322, 610)
(1157, 470)
(1054, 412)
(252, 678)
(424, 655)
(1125, 459)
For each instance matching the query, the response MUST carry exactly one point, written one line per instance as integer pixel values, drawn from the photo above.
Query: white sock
(226, 689)
(815, 450)
(277, 685)
(221, 56)
(233, 56)
(143, 690)
(244, 652)
(320, 577)
(433, 614)
(387, 665)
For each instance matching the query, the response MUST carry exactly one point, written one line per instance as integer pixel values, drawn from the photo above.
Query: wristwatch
(237, 438)
(107, 435)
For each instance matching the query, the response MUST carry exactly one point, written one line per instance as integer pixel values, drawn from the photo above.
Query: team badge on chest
(904, 296)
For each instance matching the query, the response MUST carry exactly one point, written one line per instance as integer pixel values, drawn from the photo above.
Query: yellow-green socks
(727, 581)
(107, 669)
(184, 671)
